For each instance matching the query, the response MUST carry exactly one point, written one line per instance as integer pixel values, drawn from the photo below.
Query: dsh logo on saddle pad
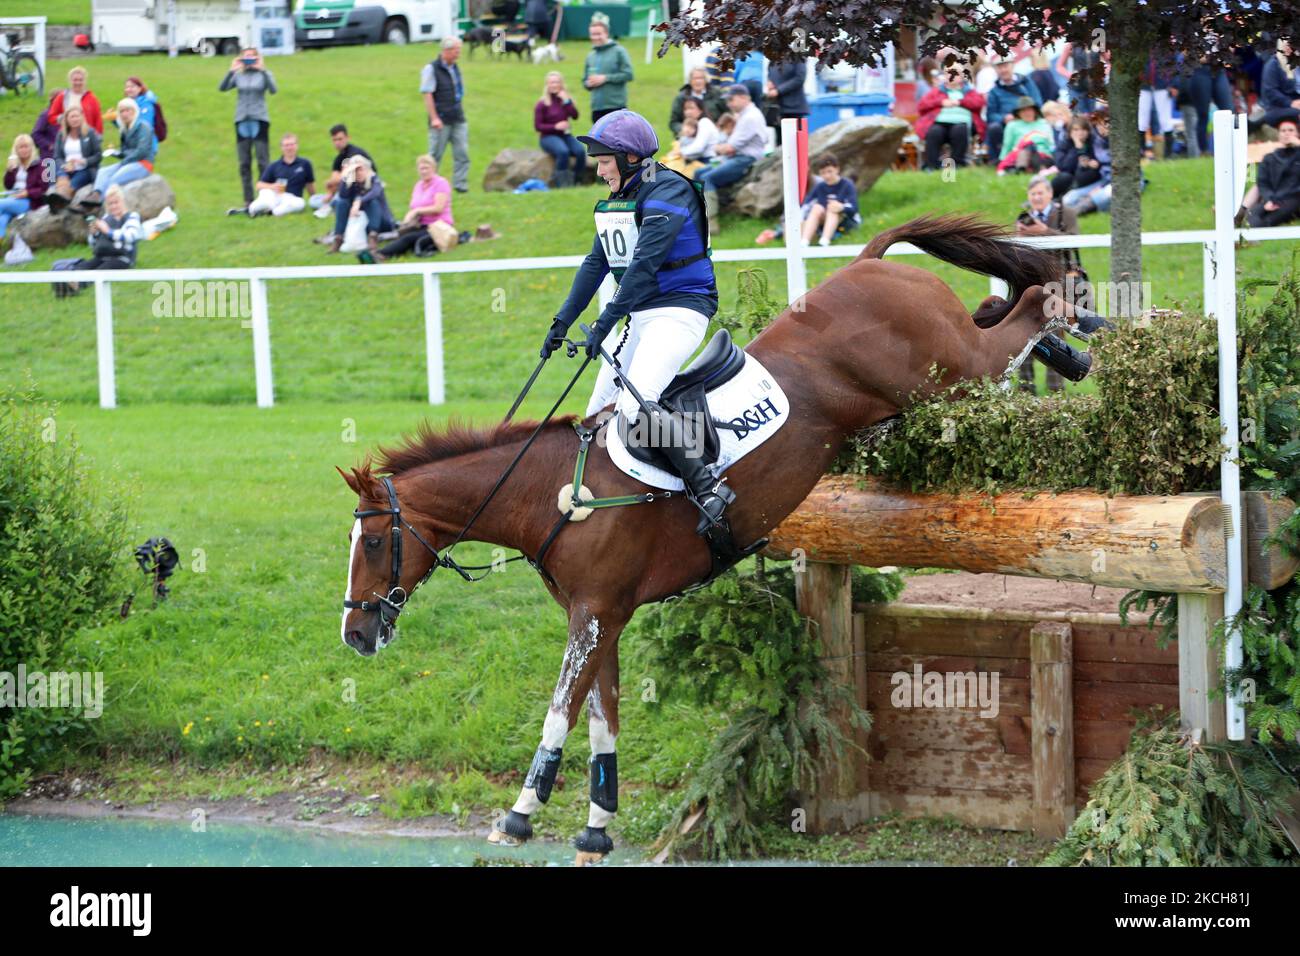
(752, 402)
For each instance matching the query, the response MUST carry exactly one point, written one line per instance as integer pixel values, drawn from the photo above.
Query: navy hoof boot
(593, 845)
(512, 830)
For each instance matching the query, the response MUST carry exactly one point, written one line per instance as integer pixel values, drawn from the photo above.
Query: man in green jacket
(607, 72)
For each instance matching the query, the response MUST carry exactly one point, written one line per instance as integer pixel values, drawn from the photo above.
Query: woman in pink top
(430, 203)
(553, 119)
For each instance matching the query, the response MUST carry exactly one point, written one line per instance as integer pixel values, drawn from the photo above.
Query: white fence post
(1208, 268)
(1227, 199)
(796, 273)
(104, 343)
(433, 338)
(261, 343)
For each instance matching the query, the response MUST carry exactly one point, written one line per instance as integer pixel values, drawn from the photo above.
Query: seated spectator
(1279, 93)
(553, 115)
(831, 206)
(1058, 116)
(743, 146)
(697, 87)
(696, 139)
(361, 191)
(430, 203)
(280, 191)
(45, 131)
(136, 153)
(1094, 196)
(1075, 164)
(345, 149)
(1275, 197)
(77, 154)
(1042, 216)
(113, 239)
(1044, 77)
(1003, 102)
(927, 76)
(946, 116)
(150, 109)
(1028, 142)
(78, 94)
(24, 181)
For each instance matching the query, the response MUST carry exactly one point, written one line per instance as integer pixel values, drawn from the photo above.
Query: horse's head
(387, 559)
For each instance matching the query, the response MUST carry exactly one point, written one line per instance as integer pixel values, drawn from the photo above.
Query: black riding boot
(1059, 354)
(1088, 322)
(686, 452)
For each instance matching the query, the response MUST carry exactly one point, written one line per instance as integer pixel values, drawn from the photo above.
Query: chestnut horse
(857, 349)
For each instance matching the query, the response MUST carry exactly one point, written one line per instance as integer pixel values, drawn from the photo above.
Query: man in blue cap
(652, 234)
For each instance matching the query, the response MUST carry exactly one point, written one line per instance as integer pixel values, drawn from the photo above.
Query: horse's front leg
(602, 724)
(589, 638)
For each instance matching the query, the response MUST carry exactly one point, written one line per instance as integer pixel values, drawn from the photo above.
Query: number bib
(617, 229)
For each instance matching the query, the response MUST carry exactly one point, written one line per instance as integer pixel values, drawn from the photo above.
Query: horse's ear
(352, 481)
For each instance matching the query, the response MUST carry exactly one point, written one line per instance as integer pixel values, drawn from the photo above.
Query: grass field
(243, 667)
(56, 12)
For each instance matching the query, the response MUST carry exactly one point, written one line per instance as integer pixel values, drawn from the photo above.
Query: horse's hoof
(583, 858)
(511, 830)
(593, 845)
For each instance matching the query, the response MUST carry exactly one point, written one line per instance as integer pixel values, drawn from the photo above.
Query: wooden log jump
(1163, 543)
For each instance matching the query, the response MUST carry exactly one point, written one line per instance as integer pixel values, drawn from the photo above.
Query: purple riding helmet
(619, 133)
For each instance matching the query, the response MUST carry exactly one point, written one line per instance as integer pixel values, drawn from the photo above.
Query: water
(75, 841)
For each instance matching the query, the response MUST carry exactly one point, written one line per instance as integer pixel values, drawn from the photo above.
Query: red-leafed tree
(1127, 33)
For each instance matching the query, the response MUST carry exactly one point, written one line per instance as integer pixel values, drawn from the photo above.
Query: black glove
(554, 338)
(595, 337)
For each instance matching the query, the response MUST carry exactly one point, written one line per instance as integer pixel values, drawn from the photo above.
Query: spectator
(718, 77)
(1003, 99)
(1044, 77)
(552, 118)
(1208, 86)
(135, 155)
(344, 149)
(1075, 163)
(279, 191)
(701, 142)
(537, 17)
(1027, 141)
(696, 86)
(1058, 117)
(77, 154)
(113, 237)
(430, 203)
(1275, 197)
(1278, 92)
(749, 72)
(253, 81)
(1074, 66)
(946, 115)
(785, 89)
(444, 91)
(742, 148)
(607, 72)
(78, 94)
(361, 191)
(150, 109)
(45, 131)
(1094, 196)
(1190, 113)
(1042, 216)
(831, 207)
(1158, 92)
(24, 179)
(927, 76)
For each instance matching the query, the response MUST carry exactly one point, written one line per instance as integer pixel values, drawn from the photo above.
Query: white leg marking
(598, 816)
(347, 595)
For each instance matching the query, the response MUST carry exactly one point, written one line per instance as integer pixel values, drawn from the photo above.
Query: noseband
(390, 606)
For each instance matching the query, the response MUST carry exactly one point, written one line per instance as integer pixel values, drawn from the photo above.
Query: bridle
(389, 606)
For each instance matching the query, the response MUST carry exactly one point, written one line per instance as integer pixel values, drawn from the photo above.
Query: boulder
(866, 147)
(511, 167)
(45, 229)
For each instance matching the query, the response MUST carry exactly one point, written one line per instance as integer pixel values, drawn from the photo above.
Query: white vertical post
(104, 343)
(172, 50)
(1208, 268)
(38, 40)
(796, 274)
(261, 343)
(606, 292)
(651, 18)
(1227, 199)
(433, 337)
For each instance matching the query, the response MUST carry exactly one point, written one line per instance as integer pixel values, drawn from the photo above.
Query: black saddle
(687, 395)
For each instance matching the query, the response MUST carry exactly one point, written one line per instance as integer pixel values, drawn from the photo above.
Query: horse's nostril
(355, 639)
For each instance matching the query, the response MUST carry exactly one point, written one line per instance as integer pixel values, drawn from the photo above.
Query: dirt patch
(1005, 592)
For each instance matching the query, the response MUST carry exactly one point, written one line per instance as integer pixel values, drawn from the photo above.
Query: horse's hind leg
(602, 723)
(589, 638)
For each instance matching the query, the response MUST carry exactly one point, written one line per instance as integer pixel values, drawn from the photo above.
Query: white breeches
(1164, 110)
(277, 204)
(659, 341)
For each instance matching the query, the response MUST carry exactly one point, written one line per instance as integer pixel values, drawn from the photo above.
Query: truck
(207, 27)
(320, 23)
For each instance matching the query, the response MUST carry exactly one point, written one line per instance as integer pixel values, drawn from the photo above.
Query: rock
(44, 229)
(866, 147)
(511, 167)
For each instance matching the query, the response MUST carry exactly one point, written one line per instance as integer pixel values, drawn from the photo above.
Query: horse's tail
(975, 244)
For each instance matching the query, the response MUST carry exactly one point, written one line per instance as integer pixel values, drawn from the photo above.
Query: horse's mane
(429, 445)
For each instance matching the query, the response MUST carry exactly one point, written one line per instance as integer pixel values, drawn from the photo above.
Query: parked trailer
(319, 23)
(208, 27)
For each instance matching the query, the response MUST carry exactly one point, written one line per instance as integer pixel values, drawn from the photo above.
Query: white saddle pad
(753, 399)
